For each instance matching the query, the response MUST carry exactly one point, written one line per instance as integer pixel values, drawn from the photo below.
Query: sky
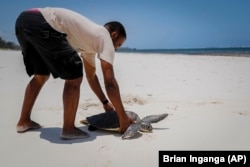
(154, 24)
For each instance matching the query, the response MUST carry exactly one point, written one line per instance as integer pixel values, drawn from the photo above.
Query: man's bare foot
(21, 128)
(74, 134)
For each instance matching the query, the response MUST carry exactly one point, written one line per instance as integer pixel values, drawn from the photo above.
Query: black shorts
(44, 49)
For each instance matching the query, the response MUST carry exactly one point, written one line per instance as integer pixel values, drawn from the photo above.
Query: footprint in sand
(244, 113)
(88, 105)
(126, 99)
(207, 103)
(131, 100)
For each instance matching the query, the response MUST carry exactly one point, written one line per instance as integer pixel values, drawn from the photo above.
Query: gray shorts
(44, 49)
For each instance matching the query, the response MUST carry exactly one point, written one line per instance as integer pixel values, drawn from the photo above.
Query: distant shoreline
(232, 51)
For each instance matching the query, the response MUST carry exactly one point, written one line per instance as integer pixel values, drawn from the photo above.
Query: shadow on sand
(52, 134)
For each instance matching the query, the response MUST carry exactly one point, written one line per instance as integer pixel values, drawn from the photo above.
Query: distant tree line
(8, 45)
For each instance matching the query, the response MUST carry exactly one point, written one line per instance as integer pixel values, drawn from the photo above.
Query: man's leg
(32, 90)
(71, 95)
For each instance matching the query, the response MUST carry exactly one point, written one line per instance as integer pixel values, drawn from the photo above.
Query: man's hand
(124, 124)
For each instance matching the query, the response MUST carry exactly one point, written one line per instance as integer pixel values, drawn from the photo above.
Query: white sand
(208, 99)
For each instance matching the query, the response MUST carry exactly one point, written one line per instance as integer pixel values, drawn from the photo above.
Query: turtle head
(146, 127)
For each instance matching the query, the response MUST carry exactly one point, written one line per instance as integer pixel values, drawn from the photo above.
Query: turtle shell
(108, 120)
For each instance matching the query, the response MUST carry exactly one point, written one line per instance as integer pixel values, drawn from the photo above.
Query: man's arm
(95, 85)
(113, 92)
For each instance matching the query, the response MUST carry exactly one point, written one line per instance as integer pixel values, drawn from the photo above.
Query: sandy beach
(207, 99)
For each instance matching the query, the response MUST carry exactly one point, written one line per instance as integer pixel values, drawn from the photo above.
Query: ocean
(239, 51)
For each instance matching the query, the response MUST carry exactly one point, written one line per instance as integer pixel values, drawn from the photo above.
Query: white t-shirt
(83, 35)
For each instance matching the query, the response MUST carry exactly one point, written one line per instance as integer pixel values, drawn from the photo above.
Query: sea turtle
(110, 121)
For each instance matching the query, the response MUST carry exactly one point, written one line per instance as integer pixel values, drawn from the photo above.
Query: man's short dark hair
(115, 26)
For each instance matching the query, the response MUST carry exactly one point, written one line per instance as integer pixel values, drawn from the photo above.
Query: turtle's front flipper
(131, 131)
(154, 118)
(92, 128)
(84, 121)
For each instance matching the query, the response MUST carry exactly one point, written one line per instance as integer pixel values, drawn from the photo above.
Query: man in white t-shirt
(50, 39)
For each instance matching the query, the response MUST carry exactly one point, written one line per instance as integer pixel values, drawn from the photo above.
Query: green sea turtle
(110, 121)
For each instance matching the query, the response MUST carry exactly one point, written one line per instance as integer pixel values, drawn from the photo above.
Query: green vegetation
(8, 45)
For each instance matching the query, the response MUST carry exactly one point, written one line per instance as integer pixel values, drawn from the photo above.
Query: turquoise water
(243, 51)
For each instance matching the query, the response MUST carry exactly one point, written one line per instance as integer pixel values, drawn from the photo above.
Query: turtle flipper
(84, 121)
(154, 118)
(131, 131)
(92, 128)
(132, 115)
